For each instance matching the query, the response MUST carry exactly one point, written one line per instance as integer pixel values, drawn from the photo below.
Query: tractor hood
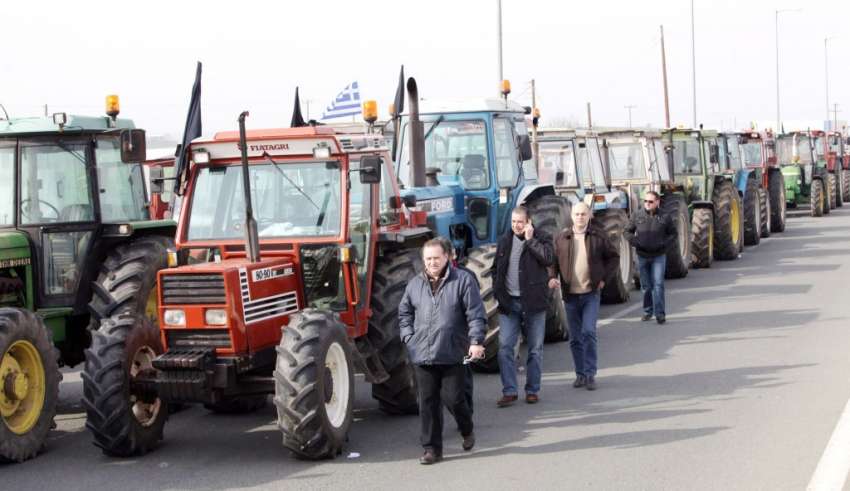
(437, 199)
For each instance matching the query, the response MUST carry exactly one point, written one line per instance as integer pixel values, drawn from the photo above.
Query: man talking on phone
(522, 258)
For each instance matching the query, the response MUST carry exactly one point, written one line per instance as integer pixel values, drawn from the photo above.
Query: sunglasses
(650, 201)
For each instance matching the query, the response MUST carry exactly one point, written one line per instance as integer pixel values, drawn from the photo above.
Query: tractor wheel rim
(625, 261)
(23, 389)
(735, 221)
(144, 412)
(336, 405)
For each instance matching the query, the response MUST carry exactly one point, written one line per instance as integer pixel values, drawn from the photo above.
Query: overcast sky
(69, 55)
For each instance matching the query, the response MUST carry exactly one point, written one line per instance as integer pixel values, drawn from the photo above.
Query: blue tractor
(468, 164)
(748, 183)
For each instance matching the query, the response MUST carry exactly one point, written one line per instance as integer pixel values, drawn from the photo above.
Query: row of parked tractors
(288, 251)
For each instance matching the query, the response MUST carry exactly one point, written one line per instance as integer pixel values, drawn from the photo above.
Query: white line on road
(834, 466)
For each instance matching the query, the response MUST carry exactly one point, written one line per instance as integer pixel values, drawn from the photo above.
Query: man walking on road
(442, 319)
(652, 234)
(522, 258)
(586, 258)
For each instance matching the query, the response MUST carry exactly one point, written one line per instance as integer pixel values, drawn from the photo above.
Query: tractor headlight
(215, 317)
(174, 317)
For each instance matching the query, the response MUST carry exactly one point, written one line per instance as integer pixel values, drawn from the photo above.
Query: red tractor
(838, 157)
(159, 172)
(758, 150)
(293, 251)
(827, 157)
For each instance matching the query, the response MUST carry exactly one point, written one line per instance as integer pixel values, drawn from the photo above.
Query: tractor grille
(197, 338)
(181, 289)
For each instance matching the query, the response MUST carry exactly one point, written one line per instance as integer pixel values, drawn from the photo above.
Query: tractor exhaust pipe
(252, 237)
(417, 137)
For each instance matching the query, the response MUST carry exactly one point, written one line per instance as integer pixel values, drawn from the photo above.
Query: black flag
(399, 95)
(297, 119)
(191, 131)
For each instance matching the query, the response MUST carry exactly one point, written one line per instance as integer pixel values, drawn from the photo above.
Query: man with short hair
(652, 234)
(441, 319)
(519, 284)
(586, 259)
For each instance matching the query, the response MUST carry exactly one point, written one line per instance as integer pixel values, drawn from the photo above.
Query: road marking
(834, 466)
(620, 314)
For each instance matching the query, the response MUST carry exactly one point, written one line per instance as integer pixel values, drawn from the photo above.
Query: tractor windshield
(794, 149)
(558, 164)
(733, 152)
(590, 163)
(457, 148)
(821, 146)
(122, 189)
(7, 185)
(292, 199)
(626, 161)
(751, 151)
(686, 157)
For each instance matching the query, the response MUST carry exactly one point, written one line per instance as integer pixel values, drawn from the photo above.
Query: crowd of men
(443, 321)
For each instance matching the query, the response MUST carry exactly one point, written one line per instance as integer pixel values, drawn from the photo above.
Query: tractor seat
(76, 213)
(473, 171)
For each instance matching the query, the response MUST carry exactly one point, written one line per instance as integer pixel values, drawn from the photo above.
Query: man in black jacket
(442, 319)
(522, 258)
(652, 234)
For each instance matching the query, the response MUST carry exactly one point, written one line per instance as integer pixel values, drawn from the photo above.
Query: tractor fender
(531, 193)
(702, 204)
(741, 181)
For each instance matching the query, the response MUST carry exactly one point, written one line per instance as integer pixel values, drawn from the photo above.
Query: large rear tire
(613, 223)
(679, 257)
(314, 385)
(818, 200)
(122, 422)
(396, 395)
(839, 185)
(752, 214)
(764, 209)
(703, 241)
(727, 222)
(29, 373)
(127, 280)
(776, 189)
(845, 189)
(479, 260)
(551, 214)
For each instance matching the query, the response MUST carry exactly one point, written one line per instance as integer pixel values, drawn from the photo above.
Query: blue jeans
(509, 328)
(582, 312)
(652, 283)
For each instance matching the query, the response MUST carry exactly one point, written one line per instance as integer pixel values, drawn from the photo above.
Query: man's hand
(528, 230)
(601, 285)
(554, 283)
(476, 352)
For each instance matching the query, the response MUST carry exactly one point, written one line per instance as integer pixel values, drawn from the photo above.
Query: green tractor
(807, 178)
(715, 205)
(76, 247)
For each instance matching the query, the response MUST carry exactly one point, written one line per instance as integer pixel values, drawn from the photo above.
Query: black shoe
(661, 319)
(591, 383)
(468, 442)
(646, 317)
(580, 382)
(430, 457)
(506, 401)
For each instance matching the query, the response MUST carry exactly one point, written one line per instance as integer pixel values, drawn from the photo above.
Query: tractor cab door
(362, 210)
(508, 171)
(56, 209)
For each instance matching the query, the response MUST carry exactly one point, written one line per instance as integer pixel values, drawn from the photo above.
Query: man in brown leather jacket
(585, 259)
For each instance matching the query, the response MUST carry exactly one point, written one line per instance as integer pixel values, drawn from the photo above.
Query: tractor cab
(572, 160)
(804, 170)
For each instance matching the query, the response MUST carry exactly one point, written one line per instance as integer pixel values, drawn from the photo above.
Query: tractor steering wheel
(26, 215)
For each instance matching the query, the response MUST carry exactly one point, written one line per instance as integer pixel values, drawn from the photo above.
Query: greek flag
(346, 103)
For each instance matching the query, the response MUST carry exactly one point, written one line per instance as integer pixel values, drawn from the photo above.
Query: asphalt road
(741, 389)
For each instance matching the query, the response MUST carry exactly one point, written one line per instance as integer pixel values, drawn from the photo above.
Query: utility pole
(835, 112)
(826, 73)
(664, 74)
(629, 108)
(45, 110)
(693, 63)
(499, 15)
(589, 120)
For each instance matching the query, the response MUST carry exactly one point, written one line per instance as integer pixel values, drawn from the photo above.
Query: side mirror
(156, 179)
(133, 147)
(370, 169)
(523, 143)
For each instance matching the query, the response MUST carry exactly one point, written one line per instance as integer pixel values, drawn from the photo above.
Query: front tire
(122, 422)
(752, 214)
(703, 242)
(776, 190)
(551, 214)
(764, 209)
(839, 185)
(845, 189)
(678, 258)
(29, 384)
(832, 186)
(314, 385)
(613, 223)
(480, 260)
(817, 198)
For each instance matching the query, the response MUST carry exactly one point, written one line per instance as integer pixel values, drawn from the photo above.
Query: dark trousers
(436, 383)
(467, 391)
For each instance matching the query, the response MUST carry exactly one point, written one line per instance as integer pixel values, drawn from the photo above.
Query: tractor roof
(288, 142)
(632, 133)
(75, 124)
(474, 105)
